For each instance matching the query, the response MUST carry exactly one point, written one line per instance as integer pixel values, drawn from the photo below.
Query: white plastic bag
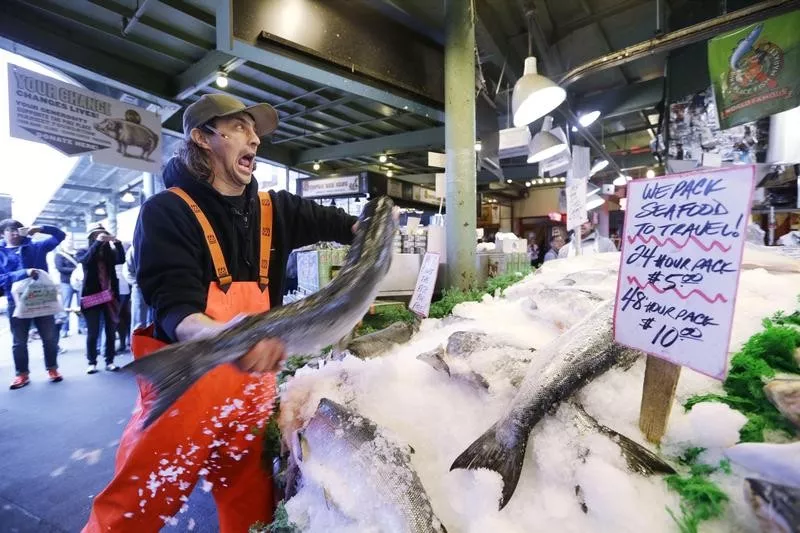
(36, 297)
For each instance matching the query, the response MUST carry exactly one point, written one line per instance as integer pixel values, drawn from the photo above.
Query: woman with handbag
(100, 294)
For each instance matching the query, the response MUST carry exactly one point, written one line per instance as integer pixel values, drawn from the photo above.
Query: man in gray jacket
(591, 243)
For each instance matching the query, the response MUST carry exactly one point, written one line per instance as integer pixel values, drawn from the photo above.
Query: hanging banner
(330, 187)
(755, 70)
(76, 121)
(679, 270)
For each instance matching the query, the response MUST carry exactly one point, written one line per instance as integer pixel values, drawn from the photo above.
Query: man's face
(12, 236)
(233, 151)
(586, 228)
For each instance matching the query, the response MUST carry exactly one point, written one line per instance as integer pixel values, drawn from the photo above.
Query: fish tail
(490, 452)
(171, 371)
(641, 459)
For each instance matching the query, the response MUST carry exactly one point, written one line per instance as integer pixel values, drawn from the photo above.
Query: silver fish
(379, 342)
(777, 507)
(304, 326)
(779, 463)
(785, 395)
(579, 355)
(352, 445)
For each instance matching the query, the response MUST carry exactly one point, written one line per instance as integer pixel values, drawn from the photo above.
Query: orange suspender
(266, 240)
(221, 269)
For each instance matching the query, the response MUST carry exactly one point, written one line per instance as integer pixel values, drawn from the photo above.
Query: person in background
(124, 324)
(556, 243)
(533, 253)
(65, 264)
(100, 294)
(140, 311)
(20, 258)
(591, 243)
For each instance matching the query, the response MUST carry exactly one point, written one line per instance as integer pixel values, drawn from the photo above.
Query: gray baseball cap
(211, 106)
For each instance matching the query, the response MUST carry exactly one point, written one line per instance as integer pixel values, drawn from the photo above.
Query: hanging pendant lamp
(544, 144)
(534, 95)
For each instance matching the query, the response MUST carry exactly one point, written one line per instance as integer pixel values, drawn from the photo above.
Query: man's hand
(33, 230)
(266, 356)
(33, 273)
(105, 237)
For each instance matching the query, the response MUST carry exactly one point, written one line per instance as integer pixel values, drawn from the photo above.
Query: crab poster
(76, 121)
(755, 70)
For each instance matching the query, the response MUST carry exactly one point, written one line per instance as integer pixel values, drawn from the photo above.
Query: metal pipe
(135, 18)
(680, 38)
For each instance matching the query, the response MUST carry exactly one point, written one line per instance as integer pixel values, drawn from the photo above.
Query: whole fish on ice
(379, 342)
(777, 507)
(779, 463)
(304, 326)
(366, 476)
(576, 357)
(785, 395)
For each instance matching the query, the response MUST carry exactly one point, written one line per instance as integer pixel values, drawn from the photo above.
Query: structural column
(111, 213)
(459, 95)
(148, 184)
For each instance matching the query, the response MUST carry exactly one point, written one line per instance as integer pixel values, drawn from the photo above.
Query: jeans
(46, 325)
(93, 319)
(67, 292)
(140, 311)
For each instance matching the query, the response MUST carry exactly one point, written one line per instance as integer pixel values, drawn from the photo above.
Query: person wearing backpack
(100, 294)
(66, 264)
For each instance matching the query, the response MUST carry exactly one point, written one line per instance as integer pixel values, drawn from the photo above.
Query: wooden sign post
(679, 270)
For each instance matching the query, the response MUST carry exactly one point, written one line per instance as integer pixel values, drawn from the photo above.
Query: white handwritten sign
(576, 204)
(423, 292)
(679, 270)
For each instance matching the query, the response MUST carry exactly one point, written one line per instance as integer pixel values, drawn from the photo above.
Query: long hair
(196, 160)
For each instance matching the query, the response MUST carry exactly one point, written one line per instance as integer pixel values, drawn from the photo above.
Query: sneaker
(19, 381)
(55, 377)
(92, 369)
(111, 367)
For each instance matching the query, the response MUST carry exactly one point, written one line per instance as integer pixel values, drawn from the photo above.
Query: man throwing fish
(208, 249)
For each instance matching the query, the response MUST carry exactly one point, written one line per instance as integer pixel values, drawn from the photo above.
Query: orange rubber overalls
(209, 431)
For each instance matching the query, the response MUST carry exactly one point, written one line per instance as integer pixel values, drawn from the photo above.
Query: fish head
(775, 506)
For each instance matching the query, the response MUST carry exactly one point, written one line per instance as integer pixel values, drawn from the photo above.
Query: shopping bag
(76, 278)
(36, 297)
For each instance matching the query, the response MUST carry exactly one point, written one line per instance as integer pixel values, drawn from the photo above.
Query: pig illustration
(129, 134)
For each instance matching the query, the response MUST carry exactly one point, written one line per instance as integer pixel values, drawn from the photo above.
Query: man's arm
(54, 239)
(168, 262)
(85, 255)
(309, 223)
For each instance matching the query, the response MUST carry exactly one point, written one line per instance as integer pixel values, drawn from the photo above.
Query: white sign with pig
(76, 121)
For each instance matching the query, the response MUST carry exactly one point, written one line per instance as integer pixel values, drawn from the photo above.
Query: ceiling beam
(69, 203)
(623, 100)
(402, 142)
(563, 30)
(492, 39)
(85, 188)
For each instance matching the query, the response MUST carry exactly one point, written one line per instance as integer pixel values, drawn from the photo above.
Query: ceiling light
(539, 181)
(587, 119)
(100, 211)
(389, 173)
(128, 197)
(574, 129)
(651, 173)
(547, 180)
(528, 184)
(383, 158)
(222, 80)
(478, 146)
(509, 181)
(563, 179)
(620, 181)
(599, 164)
(534, 95)
(316, 165)
(544, 144)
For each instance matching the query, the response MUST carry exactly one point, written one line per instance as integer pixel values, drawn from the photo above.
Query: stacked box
(498, 264)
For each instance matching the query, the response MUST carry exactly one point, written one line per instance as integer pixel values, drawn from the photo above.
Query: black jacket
(173, 264)
(64, 265)
(90, 259)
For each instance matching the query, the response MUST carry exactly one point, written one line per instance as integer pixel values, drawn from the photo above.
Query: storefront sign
(329, 187)
(394, 188)
(420, 302)
(76, 121)
(681, 250)
(576, 204)
(755, 70)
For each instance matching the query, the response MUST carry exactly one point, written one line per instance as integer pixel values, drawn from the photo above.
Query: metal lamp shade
(544, 145)
(534, 96)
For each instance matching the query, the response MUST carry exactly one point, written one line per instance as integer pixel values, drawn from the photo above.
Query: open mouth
(245, 163)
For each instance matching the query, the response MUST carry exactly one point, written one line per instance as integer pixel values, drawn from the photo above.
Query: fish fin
(435, 358)
(171, 371)
(640, 459)
(491, 453)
